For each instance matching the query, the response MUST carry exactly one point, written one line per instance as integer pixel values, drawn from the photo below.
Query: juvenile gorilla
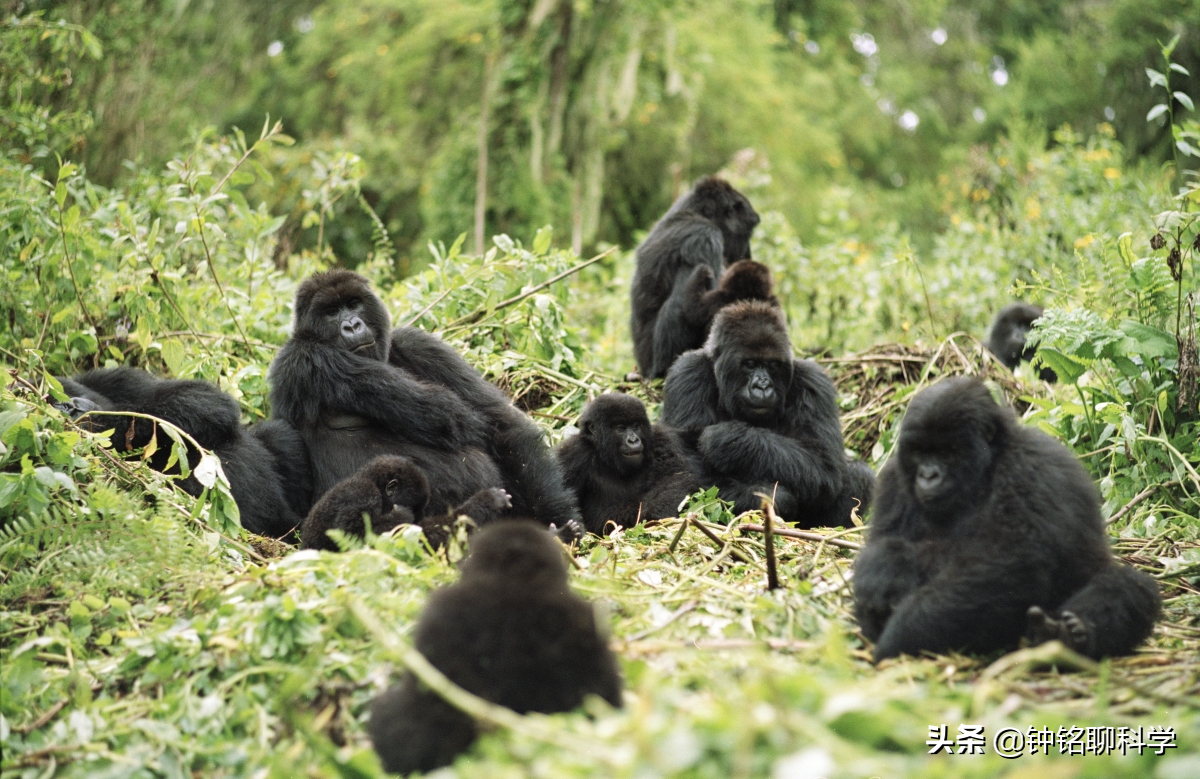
(673, 300)
(266, 465)
(357, 390)
(510, 632)
(392, 491)
(759, 421)
(622, 468)
(984, 531)
(1006, 339)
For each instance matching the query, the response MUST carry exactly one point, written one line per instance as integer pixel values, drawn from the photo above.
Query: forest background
(918, 165)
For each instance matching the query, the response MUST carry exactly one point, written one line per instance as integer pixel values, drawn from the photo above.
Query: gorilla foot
(1068, 628)
(571, 531)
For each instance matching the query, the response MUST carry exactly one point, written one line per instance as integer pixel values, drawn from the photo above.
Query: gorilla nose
(929, 476)
(633, 445)
(353, 327)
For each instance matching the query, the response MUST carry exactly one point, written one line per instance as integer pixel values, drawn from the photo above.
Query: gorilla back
(983, 531)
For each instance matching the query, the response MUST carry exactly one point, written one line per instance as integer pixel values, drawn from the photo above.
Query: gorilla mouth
(364, 347)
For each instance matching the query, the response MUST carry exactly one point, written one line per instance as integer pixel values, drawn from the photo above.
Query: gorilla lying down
(267, 465)
(511, 632)
(391, 491)
(984, 531)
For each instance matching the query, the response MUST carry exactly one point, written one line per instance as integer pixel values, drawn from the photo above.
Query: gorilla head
(1007, 337)
(752, 358)
(947, 443)
(618, 430)
(403, 490)
(338, 307)
(717, 201)
(517, 553)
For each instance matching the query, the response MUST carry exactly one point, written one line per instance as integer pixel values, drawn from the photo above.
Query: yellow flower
(1085, 241)
(1112, 173)
(381, 49)
(1033, 209)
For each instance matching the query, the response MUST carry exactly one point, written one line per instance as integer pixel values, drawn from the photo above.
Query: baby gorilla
(392, 491)
(984, 531)
(624, 470)
(1007, 337)
(510, 632)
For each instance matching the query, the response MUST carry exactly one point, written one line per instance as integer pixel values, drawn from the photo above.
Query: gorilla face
(762, 384)
(946, 446)
(618, 429)
(752, 358)
(338, 309)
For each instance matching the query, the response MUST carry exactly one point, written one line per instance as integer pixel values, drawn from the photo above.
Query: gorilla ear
(585, 428)
(990, 429)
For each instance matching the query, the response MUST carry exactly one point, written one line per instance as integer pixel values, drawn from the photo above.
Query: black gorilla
(392, 491)
(981, 528)
(510, 632)
(673, 300)
(1006, 339)
(759, 421)
(621, 468)
(356, 390)
(266, 465)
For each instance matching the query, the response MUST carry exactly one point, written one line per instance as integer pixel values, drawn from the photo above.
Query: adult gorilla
(266, 465)
(673, 300)
(759, 421)
(985, 531)
(356, 390)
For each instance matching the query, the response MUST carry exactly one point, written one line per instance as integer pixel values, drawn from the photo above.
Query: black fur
(357, 390)
(984, 531)
(392, 491)
(623, 469)
(509, 631)
(760, 421)
(673, 300)
(1006, 339)
(267, 468)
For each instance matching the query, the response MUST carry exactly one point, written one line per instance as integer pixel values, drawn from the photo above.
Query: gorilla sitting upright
(760, 421)
(985, 531)
(1007, 337)
(356, 390)
(267, 465)
(685, 254)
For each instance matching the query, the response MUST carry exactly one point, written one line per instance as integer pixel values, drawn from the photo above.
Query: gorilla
(621, 468)
(759, 421)
(673, 300)
(392, 491)
(266, 465)
(510, 632)
(1006, 339)
(356, 390)
(984, 531)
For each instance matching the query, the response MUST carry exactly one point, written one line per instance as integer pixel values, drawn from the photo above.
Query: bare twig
(1131, 504)
(769, 519)
(789, 533)
(157, 280)
(733, 551)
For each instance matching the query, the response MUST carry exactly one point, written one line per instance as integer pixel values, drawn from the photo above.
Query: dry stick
(788, 533)
(429, 307)
(213, 270)
(476, 315)
(768, 530)
(62, 230)
(40, 722)
(1131, 504)
(472, 705)
(733, 551)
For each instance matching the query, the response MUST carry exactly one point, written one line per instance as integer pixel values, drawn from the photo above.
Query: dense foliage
(142, 633)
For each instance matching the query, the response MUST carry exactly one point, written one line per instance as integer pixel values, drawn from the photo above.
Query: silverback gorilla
(1007, 337)
(511, 632)
(266, 465)
(673, 300)
(760, 421)
(355, 390)
(984, 531)
(623, 469)
(391, 491)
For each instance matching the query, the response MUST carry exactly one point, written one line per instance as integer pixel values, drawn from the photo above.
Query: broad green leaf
(1156, 79)
(173, 355)
(1156, 112)
(1147, 341)
(1186, 101)
(541, 241)
(1125, 248)
(1175, 66)
(1068, 369)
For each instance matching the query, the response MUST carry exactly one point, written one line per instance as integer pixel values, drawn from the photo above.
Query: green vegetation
(143, 634)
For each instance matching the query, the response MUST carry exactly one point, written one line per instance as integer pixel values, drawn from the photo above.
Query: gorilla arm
(684, 315)
(690, 395)
(310, 379)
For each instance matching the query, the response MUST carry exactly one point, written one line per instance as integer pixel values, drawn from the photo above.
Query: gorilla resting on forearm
(392, 491)
(687, 251)
(355, 390)
(267, 465)
(759, 421)
(623, 469)
(985, 531)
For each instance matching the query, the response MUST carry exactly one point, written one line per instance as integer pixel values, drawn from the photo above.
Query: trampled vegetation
(142, 633)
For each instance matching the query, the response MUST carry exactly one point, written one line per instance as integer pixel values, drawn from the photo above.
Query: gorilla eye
(391, 487)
